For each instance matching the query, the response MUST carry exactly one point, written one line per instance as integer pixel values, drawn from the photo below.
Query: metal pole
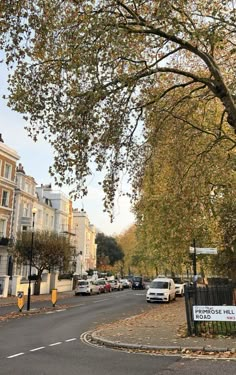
(30, 265)
(195, 280)
(194, 262)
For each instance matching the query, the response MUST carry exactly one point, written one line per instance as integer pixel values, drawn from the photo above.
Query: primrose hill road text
(214, 313)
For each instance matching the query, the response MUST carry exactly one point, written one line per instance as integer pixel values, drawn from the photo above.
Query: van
(86, 287)
(137, 282)
(161, 289)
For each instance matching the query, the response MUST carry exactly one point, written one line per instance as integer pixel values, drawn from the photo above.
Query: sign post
(198, 251)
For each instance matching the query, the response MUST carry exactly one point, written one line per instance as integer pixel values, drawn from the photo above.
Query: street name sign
(203, 250)
(214, 313)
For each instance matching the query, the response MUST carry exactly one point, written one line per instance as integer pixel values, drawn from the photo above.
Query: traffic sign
(203, 250)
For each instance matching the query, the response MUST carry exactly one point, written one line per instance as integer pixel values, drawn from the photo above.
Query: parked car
(112, 283)
(118, 285)
(138, 283)
(161, 289)
(179, 286)
(86, 287)
(104, 285)
(125, 283)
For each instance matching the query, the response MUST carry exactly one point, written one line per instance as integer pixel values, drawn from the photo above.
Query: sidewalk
(12, 300)
(162, 327)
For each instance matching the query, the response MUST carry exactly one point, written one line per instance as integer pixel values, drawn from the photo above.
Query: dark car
(138, 283)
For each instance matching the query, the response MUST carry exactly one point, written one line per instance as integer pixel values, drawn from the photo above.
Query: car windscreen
(80, 283)
(159, 284)
(177, 280)
(137, 278)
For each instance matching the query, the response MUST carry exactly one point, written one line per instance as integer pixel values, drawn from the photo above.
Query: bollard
(20, 300)
(54, 297)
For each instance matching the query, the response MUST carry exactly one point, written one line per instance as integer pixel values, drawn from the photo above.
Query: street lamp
(34, 210)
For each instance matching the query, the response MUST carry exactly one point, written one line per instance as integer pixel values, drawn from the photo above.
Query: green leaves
(108, 250)
(50, 250)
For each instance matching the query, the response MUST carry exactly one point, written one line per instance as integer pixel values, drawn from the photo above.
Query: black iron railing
(218, 295)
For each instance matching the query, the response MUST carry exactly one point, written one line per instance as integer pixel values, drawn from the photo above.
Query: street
(50, 342)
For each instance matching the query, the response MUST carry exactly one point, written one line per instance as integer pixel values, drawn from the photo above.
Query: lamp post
(34, 210)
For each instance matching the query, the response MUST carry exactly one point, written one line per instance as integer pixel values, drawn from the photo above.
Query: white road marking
(15, 355)
(55, 343)
(50, 312)
(100, 300)
(71, 339)
(81, 304)
(61, 310)
(39, 348)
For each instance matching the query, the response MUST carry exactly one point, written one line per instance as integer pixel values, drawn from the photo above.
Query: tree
(108, 251)
(128, 242)
(85, 73)
(188, 183)
(50, 251)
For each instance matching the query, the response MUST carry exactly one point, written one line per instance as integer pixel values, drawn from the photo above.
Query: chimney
(20, 168)
(1, 140)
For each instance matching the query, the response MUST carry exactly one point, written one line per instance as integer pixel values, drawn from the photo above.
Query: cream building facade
(8, 160)
(19, 195)
(86, 248)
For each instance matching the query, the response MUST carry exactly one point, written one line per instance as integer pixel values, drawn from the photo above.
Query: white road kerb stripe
(39, 348)
(55, 343)
(15, 355)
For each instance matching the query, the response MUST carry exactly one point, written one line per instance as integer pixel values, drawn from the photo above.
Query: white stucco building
(86, 248)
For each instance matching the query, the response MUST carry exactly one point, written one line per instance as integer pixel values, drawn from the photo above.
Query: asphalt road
(50, 343)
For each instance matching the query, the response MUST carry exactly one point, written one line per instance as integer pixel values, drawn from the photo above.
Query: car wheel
(148, 301)
(168, 300)
(182, 293)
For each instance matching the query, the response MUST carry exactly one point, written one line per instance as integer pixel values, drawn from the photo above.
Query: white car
(179, 286)
(116, 285)
(86, 287)
(161, 289)
(125, 283)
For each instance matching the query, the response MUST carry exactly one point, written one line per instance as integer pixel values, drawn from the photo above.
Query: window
(2, 228)
(7, 172)
(5, 198)
(26, 210)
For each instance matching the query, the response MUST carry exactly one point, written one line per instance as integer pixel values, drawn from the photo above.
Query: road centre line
(39, 348)
(42, 347)
(15, 355)
(100, 300)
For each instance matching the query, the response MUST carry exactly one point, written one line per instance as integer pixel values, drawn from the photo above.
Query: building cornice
(10, 152)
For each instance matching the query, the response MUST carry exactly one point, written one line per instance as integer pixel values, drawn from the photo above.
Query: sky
(36, 159)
